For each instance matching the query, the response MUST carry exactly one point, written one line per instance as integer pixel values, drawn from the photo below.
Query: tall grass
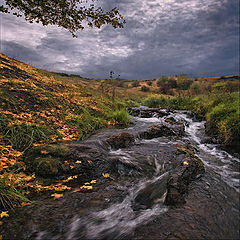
(9, 195)
(122, 117)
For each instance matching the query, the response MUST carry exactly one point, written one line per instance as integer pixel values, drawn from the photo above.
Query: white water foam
(222, 162)
(119, 219)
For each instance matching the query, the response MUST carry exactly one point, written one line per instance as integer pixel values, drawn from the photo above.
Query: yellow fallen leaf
(4, 214)
(1, 237)
(86, 187)
(69, 178)
(185, 163)
(78, 162)
(106, 175)
(57, 195)
(25, 204)
(1, 223)
(44, 152)
(93, 181)
(86, 183)
(76, 190)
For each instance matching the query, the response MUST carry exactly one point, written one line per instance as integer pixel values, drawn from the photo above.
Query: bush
(145, 89)
(135, 84)
(149, 83)
(155, 102)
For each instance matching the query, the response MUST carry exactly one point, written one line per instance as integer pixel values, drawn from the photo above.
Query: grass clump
(21, 137)
(121, 117)
(9, 195)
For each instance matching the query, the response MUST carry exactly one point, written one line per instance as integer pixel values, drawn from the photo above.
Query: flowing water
(211, 209)
(119, 220)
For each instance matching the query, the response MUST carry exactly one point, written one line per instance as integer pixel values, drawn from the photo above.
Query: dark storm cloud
(161, 37)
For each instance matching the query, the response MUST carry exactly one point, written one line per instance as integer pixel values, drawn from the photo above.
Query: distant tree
(69, 14)
(135, 84)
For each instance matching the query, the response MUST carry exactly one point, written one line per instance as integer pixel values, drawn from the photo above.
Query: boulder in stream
(121, 140)
(157, 130)
(152, 193)
(180, 178)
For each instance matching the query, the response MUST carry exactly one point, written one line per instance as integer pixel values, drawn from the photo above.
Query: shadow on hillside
(9, 71)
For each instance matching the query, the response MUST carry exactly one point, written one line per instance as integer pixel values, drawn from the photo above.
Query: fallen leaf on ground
(76, 190)
(185, 163)
(106, 175)
(4, 214)
(25, 204)
(44, 152)
(86, 187)
(57, 195)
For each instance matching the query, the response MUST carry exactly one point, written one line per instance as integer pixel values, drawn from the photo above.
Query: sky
(199, 38)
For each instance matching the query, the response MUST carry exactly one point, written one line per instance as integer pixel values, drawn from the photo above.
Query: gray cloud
(197, 37)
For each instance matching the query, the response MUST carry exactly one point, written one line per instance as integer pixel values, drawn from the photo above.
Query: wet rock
(121, 140)
(66, 159)
(152, 193)
(134, 111)
(148, 112)
(157, 130)
(125, 169)
(47, 166)
(189, 170)
(210, 140)
(172, 120)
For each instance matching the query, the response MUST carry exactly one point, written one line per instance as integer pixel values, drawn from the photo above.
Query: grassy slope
(39, 107)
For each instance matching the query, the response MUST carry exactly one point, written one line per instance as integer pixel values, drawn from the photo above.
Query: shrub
(149, 83)
(145, 89)
(135, 84)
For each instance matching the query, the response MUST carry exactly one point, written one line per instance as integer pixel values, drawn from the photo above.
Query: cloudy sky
(160, 37)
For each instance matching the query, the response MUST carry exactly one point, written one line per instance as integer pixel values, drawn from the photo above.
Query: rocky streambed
(156, 179)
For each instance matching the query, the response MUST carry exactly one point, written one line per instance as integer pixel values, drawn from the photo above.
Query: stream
(131, 204)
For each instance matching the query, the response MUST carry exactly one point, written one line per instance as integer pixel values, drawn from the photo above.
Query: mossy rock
(186, 151)
(47, 166)
(46, 160)
(121, 140)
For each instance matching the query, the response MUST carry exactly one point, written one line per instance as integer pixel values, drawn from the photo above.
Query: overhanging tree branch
(72, 15)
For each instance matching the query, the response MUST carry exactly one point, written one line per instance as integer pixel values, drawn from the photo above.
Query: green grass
(122, 117)
(220, 109)
(9, 195)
